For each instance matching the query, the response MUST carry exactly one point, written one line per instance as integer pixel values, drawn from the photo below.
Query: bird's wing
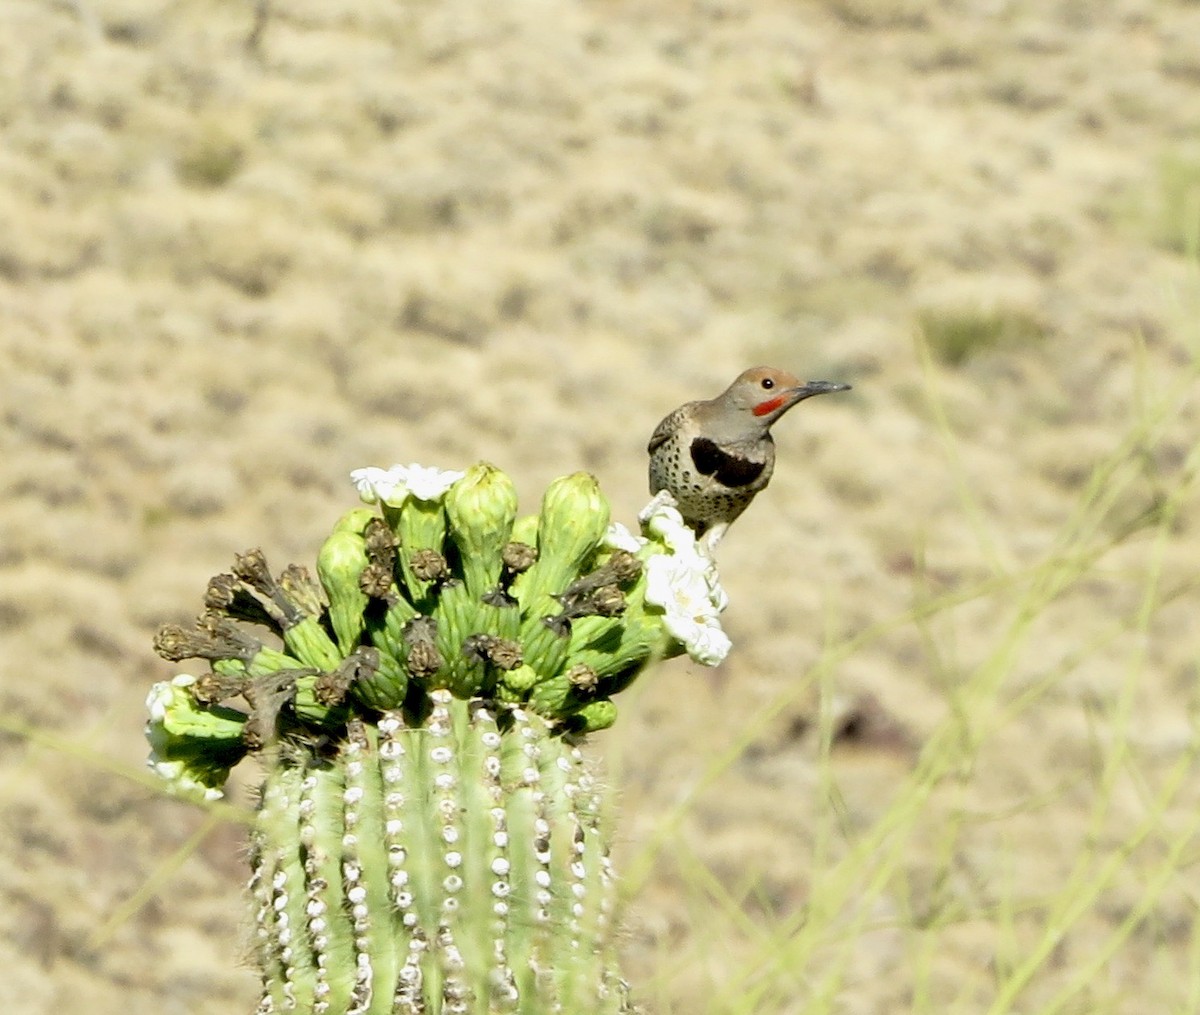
(664, 430)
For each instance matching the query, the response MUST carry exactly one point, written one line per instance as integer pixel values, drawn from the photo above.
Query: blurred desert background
(243, 251)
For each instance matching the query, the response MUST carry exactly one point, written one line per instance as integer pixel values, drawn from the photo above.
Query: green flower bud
(382, 682)
(307, 640)
(174, 710)
(573, 520)
(481, 508)
(269, 660)
(554, 698)
(419, 525)
(355, 520)
(230, 668)
(458, 615)
(503, 693)
(192, 746)
(525, 530)
(545, 646)
(387, 631)
(340, 564)
(595, 715)
(309, 707)
(520, 680)
(612, 646)
(504, 621)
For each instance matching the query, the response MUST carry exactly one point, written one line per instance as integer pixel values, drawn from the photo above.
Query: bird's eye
(768, 383)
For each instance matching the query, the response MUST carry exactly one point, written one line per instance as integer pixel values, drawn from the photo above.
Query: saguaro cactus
(428, 835)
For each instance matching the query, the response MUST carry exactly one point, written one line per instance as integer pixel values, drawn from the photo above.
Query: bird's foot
(707, 543)
(664, 498)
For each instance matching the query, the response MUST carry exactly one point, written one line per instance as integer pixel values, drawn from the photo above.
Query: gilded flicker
(713, 456)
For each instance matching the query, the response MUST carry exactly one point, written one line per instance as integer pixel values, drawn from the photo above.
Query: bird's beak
(777, 406)
(810, 388)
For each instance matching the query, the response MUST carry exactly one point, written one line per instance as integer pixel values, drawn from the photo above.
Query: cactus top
(442, 586)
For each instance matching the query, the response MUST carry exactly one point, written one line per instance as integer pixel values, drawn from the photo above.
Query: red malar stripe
(763, 408)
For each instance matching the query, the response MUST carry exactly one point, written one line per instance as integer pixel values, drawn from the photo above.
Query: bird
(711, 458)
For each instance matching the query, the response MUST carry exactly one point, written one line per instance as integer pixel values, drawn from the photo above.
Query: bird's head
(766, 393)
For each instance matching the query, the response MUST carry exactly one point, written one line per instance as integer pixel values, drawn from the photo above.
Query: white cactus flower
(710, 645)
(393, 486)
(427, 482)
(686, 587)
(174, 726)
(180, 781)
(165, 693)
(618, 537)
(661, 520)
(377, 485)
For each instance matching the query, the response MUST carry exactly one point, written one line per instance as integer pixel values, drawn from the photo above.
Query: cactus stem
(318, 813)
(352, 872)
(283, 879)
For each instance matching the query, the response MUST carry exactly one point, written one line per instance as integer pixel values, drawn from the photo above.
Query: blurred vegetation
(956, 335)
(906, 882)
(1178, 222)
(880, 14)
(212, 158)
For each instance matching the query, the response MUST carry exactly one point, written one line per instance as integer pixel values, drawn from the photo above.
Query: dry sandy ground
(522, 232)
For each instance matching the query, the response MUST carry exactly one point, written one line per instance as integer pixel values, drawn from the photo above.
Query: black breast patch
(727, 469)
